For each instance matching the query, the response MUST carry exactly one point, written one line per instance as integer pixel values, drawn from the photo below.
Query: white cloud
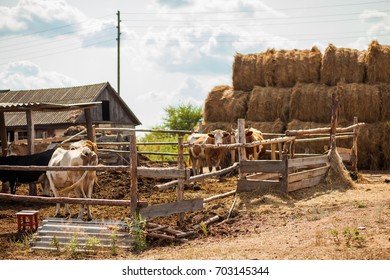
(27, 75)
(374, 16)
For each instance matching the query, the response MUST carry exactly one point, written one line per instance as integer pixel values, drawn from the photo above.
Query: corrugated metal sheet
(31, 98)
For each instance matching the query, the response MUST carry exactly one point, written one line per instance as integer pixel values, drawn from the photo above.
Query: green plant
(352, 237)
(203, 227)
(137, 227)
(73, 247)
(55, 243)
(93, 245)
(113, 243)
(335, 235)
(359, 204)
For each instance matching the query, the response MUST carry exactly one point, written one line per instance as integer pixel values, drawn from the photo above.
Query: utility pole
(119, 46)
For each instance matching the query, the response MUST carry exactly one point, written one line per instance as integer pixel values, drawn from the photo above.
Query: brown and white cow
(252, 135)
(62, 183)
(210, 155)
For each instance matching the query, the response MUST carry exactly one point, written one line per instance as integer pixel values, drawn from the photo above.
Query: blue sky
(172, 51)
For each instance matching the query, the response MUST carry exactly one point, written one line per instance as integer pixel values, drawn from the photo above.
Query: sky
(172, 52)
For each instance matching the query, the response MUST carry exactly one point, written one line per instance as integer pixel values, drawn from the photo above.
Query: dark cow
(24, 177)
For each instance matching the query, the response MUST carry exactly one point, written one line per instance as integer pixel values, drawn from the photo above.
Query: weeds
(203, 227)
(113, 243)
(56, 244)
(73, 247)
(93, 245)
(137, 227)
(351, 237)
(359, 204)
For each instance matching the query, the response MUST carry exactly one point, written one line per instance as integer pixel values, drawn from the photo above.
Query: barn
(111, 111)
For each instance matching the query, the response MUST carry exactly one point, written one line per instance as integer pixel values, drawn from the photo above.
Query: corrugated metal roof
(79, 94)
(11, 100)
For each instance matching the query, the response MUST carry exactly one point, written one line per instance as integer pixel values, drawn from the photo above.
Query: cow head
(218, 135)
(88, 157)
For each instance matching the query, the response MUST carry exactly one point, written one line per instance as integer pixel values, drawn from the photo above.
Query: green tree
(182, 117)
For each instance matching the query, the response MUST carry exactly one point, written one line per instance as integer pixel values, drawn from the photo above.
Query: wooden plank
(54, 200)
(250, 166)
(30, 132)
(167, 209)
(302, 162)
(214, 197)
(251, 185)
(310, 182)
(263, 176)
(294, 177)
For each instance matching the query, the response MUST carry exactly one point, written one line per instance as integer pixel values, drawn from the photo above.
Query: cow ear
(211, 134)
(249, 133)
(226, 134)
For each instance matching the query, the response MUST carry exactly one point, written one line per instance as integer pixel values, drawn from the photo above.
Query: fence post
(133, 175)
(180, 185)
(284, 179)
(354, 155)
(241, 139)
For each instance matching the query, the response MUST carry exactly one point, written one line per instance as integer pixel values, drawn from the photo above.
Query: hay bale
(311, 103)
(316, 147)
(286, 68)
(342, 64)
(248, 71)
(362, 101)
(223, 104)
(384, 90)
(370, 145)
(210, 126)
(268, 104)
(277, 126)
(378, 63)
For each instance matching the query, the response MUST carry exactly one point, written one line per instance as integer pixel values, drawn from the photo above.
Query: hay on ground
(223, 104)
(342, 64)
(248, 71)
(311, 103)
(268, 104)
(378, 63)
(362, 101)
(286, 68)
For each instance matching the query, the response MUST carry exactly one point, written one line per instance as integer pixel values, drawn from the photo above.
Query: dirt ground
(323, 222)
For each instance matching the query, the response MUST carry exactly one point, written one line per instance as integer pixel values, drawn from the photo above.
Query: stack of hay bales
(292, 89)
(341, 64)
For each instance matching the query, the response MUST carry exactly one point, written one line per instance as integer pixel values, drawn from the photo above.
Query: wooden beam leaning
(167, 209)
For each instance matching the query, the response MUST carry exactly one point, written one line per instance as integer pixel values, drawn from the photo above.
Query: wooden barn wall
(117, 112)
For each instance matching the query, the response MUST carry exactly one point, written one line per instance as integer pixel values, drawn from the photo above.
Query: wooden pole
(241, 139)
(354, 156)
(232, 151)
(284, 179)
(180, 186)
(88, 120)
(133, 175)
(30, 132)
(3, 132)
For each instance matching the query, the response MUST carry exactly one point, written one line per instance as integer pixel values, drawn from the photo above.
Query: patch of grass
(360, 204)
(113, 243)
(74, 248)
(137, 227)
(56, 244)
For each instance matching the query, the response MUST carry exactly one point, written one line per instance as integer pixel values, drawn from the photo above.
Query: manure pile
(292, 89)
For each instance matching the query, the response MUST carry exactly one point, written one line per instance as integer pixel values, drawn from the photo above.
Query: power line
(251, 11)
(47, 30)
(246, 19)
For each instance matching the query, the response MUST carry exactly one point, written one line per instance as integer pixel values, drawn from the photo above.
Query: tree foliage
(182, 117)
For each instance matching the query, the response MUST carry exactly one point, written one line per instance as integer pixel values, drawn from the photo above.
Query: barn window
(105, 110)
